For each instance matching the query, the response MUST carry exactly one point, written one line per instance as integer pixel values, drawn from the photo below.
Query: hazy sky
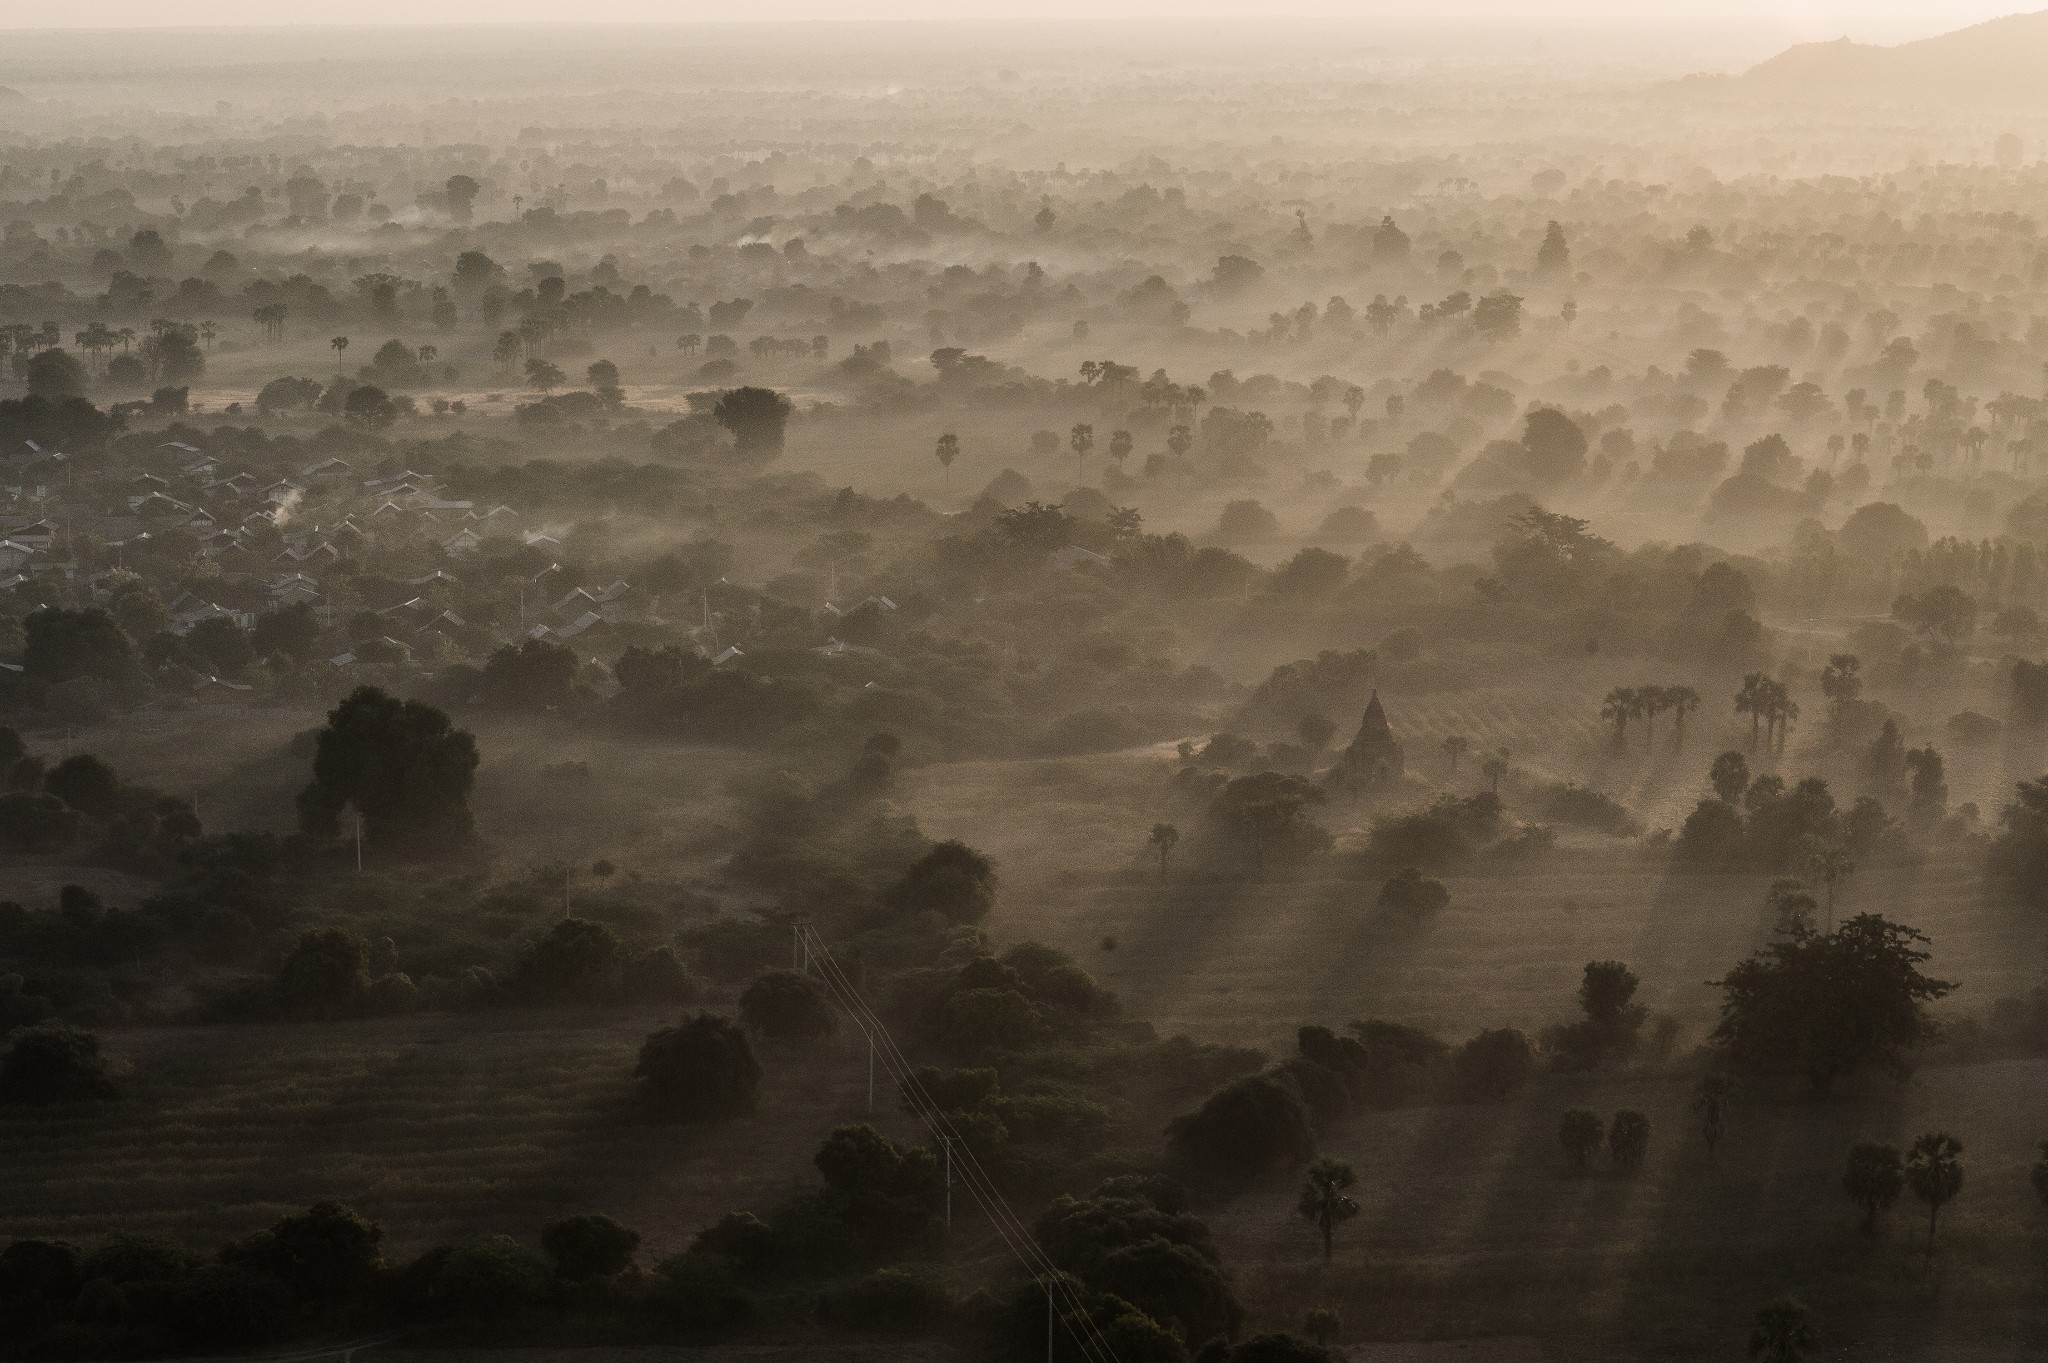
(1871, 20)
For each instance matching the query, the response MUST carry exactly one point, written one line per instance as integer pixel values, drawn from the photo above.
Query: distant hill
(2002, 60)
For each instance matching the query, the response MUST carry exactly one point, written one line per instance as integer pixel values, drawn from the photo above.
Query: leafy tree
(1325, 1201)
(326, 974)
(1412, 893)
(461, 191)
(1934, 1171)
(1553, 257)
(1266, 813)
(492, 1276)
(85, 783)
(578, 962)
(1495, 1063)
(1611, 1022)
(1579, 1133)
(1781, 1333)
(371, 407)
(952, 880)
(1873, 1179)
(1628, 1139)
(702, 1070)
(55, 375)
(62, 645)
(1825, 1005)
(221, 644)
(786, 1006)
(1241, 1132)
(756, 418)
(534, 674)
(54, 1063)
(2019, 855)
(325, 1254)
(288, 632)
(402, 765)
(588, 1247)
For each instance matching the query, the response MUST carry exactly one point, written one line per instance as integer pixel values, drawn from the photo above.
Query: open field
(439, 1126)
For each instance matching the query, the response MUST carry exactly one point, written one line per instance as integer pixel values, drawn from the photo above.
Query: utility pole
(871, 1073)
(1048, 1320)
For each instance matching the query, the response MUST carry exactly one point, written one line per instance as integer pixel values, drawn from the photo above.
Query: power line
(1009, 1227)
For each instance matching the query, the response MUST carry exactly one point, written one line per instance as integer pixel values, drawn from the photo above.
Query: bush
(700, 1291)
(1244, 1130)
(897, 1300)
(589, 1246)
(1495, 1063)
(492, 1276)
(786, 1006)
(657, 976)
(742, 1240)
(325, 1254)
(578, 962)
(1579, 1133)
(700, 1071)
(952, 880)
(54, 1064)
(35, 823)
(326, 975)
(1414, 894)
(1278, 1349)
(224, 1307)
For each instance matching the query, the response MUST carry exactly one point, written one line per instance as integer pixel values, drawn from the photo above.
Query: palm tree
(1325, 1201)
(1496, 767)
(1781, 712)
(1619, 707)
(1081, 440)
(1831, 865)
(947, 452)
(207, 331)
(340, 344)
(427, 354)
(1683, 700)
(1164, 836)
(1180, 440)
(1456, 746)
(1750, 701)
(1649, 701)
(1782, 1334)
(1934, 1170)
(126, 335)
(1873, 1179)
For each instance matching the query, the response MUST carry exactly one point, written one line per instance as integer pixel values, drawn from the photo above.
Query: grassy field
(438, 1126)
(445, 1126)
